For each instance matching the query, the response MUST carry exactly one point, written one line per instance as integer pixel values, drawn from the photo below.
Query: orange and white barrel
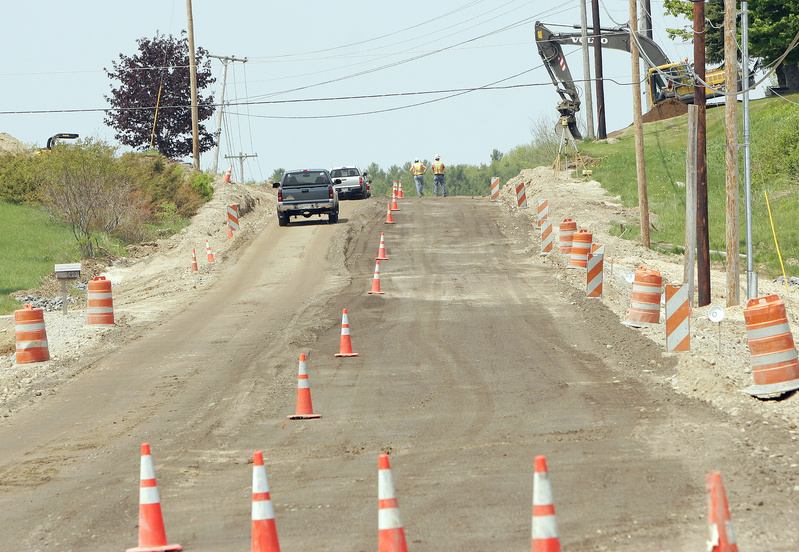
(521, 196)
(100, 306)
(678, 318)
(494, 188)
(567, 229)
(645, 301)
(31, 336)
(775, 368)
(543, 211)
(594, 268)
(581, 247)
(547, 238)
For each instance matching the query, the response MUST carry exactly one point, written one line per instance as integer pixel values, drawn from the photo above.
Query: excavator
(664, 79)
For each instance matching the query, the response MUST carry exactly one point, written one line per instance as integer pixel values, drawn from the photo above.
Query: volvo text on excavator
(664, 79)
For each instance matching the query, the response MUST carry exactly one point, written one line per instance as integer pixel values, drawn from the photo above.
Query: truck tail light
(279, 194)
(330, 190)
(360, 181)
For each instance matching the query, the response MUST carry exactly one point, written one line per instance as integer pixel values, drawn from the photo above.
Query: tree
(161, 68)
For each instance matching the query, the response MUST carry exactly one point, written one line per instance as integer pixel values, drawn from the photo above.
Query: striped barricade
(678, 318)
(543, 211)
(521, 196)
(494, 188)
(595, 267)
(547, 238)
(233, 217)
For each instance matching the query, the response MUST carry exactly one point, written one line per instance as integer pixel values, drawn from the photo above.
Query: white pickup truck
(354, 184)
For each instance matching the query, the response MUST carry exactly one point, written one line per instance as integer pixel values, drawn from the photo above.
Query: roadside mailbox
(65, 273)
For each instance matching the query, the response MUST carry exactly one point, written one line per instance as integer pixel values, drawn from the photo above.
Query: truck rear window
(306, 178)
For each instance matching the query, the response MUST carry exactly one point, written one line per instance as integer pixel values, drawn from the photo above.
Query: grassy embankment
(775, 161)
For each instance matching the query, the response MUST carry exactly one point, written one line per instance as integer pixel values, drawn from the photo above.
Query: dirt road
(474, 361)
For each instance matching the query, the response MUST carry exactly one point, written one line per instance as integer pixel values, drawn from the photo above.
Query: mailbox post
(65, 273)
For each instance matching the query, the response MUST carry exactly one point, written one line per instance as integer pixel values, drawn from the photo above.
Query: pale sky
(410, 53)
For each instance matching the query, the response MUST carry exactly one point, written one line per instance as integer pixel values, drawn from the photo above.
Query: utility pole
(645, 29)
(640, 164)
(241, 157)
(690, 202)
(751, 275)
(731, 134)
(601, 131)
(218, 134)
(702, 230)
(589, 101)
(195, 116)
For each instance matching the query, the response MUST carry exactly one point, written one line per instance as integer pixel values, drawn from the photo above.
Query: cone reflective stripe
(521, 196)
(546, 537)
(381, 252)
(593, 286)
(389, 218)
(543, 211)
(494, 188)
(152, 535)
(345, 350)
(391, 534)
(193, 261)
(547, 238)
(678, 319)
(208, 251)
(376, 280)
(720, 533)
(304, 405)
(264, 531)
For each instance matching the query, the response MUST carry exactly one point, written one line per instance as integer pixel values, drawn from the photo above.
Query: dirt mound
(666, 109)
(9, 144)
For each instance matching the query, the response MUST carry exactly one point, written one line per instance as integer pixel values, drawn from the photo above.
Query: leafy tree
(277, 174)
(160, 67)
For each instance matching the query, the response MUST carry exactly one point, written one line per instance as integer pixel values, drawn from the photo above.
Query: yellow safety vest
(438, 167)
(417, 169)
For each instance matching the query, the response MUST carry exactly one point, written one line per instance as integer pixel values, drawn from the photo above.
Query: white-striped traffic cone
(264, 531)
(345, 350)
(391, 534)
(208, 252)
(720, 534)
(376, 281)
(152, 535)
(304, 408)
(545, 525)
(381, 252)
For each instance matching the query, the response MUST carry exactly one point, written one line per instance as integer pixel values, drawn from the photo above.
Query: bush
(202, 184)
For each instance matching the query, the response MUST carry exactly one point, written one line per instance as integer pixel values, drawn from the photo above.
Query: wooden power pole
(589, 101)
(702, 229)
(731, 134)
(640, 164)
(601, 131)
(195, 116)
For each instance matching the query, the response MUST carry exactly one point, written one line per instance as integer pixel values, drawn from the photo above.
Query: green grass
(29, 247)
(775, 162)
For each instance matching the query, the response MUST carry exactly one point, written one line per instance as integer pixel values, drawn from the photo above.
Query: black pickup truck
(306, 192)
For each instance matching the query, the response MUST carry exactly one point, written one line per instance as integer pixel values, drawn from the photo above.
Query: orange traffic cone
(400, 190)
(304, 407)
(152, 535)
(720, 534)
(381, 252)
(391, 534)
(226, 178)
(376, 280)
(389, 218)
(208, 251)
(229, 232)
(545, 524)
(394, 206)
(345, 350)
(193, 261)
(264, 532)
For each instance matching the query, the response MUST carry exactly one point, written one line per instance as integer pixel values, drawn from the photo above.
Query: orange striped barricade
(678, 318)
(581, 247)
(521, 196)
(645, 301)
(494, 188)
(775, 368)
(543, 211)
(567, 229)
(233, 217)
(546, 238)
(595, 266)
(100, 304)
(31, 335)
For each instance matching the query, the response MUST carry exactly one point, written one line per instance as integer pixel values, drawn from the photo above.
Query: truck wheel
(333, 218)
(282, 220)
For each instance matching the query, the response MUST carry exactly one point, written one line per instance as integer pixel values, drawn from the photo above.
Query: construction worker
(417, 170)
(438, 177)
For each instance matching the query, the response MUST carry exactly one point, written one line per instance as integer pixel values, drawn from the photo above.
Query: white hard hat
(415, 159)
(437, 156)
